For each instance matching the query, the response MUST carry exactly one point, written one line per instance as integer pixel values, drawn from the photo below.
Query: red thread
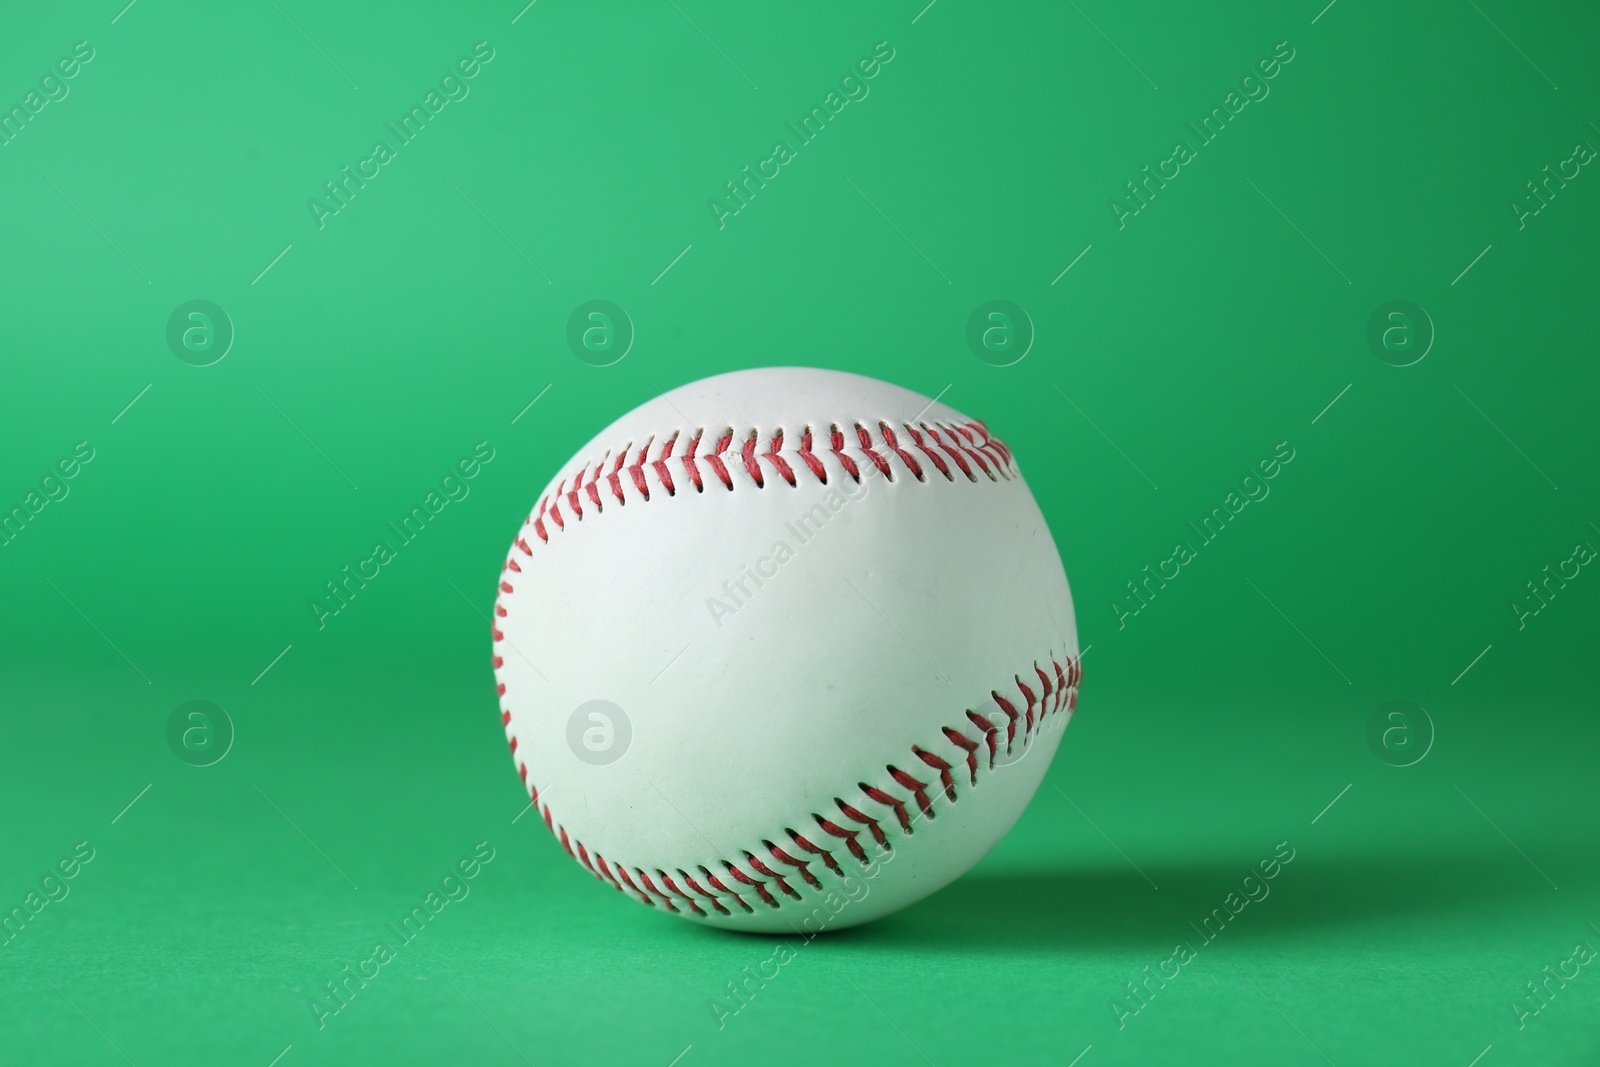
(805, 868)
(934, 457)
(827, 857)
(894, 802)
(905, 457)
(572, 496)
(688, 463)
(748, 453)
(717, 883)
(872, 824)
(538, 528)
(712, 897)
(866, 446)
(666, 880)
(606, 871)
(636, 472)
(614, 479)
(1011, 713)
(810, 459)
(755, 861)
(917, 789)
(836, 440)
(847, 836)
(660, 465)
(622, 872)
(1032, 703)
(961, 740)
(785, 471)
(989, 730)
(933, 433)
(754, 883)
(962, 437)
(715, 459)
(939, 765)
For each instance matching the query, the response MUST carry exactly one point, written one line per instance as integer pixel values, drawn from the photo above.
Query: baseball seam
(969, 448)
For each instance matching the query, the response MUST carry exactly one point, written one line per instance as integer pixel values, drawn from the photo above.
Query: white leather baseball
(832, 637)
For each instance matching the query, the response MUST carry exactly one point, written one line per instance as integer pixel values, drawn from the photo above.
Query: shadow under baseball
(1116, 908)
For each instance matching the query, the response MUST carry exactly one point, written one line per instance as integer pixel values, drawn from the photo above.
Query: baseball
(784, 650)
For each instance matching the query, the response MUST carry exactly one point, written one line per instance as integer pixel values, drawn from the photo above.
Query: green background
(424, 317)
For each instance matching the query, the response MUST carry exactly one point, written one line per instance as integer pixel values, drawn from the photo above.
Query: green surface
(421, 319)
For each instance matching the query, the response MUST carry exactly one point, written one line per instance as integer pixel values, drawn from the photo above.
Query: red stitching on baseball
(748, 454)
(963, 439)
(918, 789)
(805, 868)
(622, 872)
(572, 496)
(827, 857)
(660, 465)
(785, 471)
(614, 479)
(866, 446)
(933, 433)
(989, 730)
(836, 446)
(905, 457)
(859, 816)
(555, 508)
(1011, 713)
(688, 462)
(965, 444)
(666, 880)
(712, 897)
(755, 861)
(934, 457)
(618, 874)
(715, 459)
(847, 836)
(717, 883)
(1032, 703)
(894, 802)
(810, 459)
(961, 740)
(942, 766)
(755, 883)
